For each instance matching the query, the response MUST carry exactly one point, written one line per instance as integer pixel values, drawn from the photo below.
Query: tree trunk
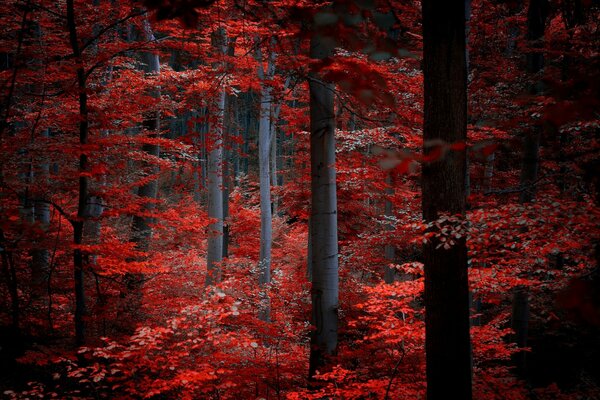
(323, 230)
(264, 146)
(390, 251)
(214, 254)
(83, 179)
(447, 340)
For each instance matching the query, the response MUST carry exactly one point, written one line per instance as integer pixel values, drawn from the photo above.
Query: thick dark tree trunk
(448, 347)
(323, 230)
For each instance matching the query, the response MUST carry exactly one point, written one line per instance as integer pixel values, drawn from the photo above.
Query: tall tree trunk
(83, 179)
(447, 340)
(389, 274)
(214, 254)
(264, 146)
(323, 230)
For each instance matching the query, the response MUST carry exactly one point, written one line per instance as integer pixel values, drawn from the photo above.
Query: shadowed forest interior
(345, 199)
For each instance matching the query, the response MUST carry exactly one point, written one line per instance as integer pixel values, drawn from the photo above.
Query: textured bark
(447, 342)
(323, 232)
(215, 202)
(214, 254)
(80, 309)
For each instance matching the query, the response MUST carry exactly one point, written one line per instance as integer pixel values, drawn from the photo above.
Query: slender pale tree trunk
(389, 274)
(80, 309)
(264, 146)
(447, 340)
(214, 254)
(323, 230)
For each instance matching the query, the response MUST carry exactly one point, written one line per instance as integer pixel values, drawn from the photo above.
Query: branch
(102, 31)
(394, 372)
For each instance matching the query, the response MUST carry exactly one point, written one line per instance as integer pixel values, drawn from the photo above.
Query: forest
(328, 199)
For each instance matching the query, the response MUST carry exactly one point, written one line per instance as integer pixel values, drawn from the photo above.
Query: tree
(264, 146)
(214, 254)
(447, 337)
(323, 214)
(83, 178)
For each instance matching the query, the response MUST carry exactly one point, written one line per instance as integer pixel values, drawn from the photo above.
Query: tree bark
(80, 309)
(447, 340)
(389, 275)
(264, 147)
(214, 254)
(323, 230)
